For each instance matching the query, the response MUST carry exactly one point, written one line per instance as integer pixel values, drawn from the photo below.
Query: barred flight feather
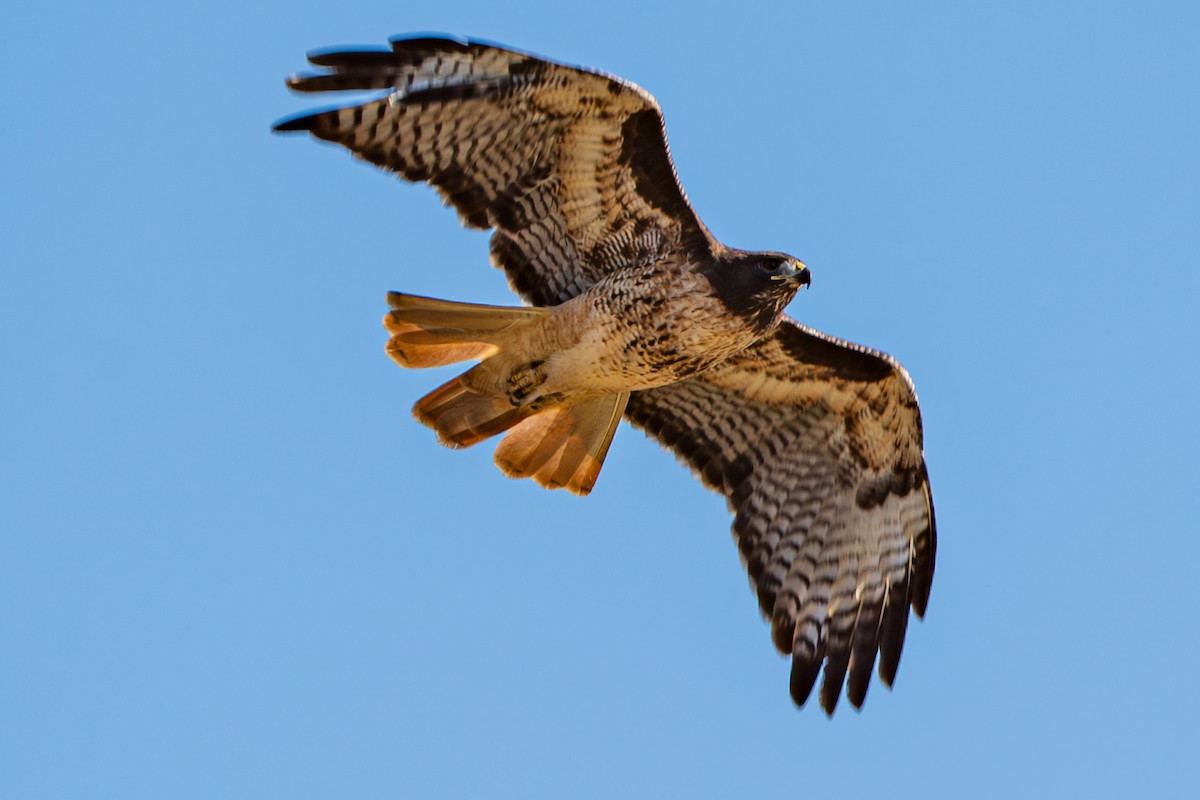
(815, 442)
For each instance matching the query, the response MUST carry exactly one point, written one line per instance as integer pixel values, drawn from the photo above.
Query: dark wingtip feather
(891, 633)
(838, 650)
(923, 573)
(349, 54)
(299, 123)
(924, 557)
(804, 677)
(863, 651)
(856, 686)
(428, 40)
(922, 582)
(345, 80)
(835, 678)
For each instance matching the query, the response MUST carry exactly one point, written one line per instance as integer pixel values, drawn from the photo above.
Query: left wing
(816, 444)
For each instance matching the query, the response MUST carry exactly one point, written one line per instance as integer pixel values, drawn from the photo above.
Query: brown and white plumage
(816, 446)
(815, 443)
(569, 166)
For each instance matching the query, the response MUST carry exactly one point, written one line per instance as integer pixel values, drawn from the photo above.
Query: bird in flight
(636, 311)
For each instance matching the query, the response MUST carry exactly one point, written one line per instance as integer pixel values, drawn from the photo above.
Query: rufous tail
(561, 445)
(463, 416)
(432, 333)
(564, 446)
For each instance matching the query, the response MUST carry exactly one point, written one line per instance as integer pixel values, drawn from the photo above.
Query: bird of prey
(635, 310)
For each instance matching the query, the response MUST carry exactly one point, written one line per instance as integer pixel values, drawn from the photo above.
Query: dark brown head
(757, 286)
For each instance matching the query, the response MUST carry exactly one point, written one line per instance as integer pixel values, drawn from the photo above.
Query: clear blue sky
(231, 564)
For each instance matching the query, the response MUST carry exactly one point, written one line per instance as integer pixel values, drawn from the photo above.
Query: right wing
(569, 165)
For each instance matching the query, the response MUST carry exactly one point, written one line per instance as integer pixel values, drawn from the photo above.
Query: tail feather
(463, 417)
(432, 333)
(559, 446)
(564, 446)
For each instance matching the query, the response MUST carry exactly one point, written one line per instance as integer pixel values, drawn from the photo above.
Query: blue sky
(232, 565)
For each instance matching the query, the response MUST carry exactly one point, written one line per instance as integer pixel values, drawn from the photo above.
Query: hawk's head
(757, 286)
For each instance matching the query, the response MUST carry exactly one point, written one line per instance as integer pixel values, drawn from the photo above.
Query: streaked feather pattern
(832, 537)
(570, 166)
(815, 442)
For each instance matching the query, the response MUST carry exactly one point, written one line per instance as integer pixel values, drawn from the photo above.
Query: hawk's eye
(770, 265)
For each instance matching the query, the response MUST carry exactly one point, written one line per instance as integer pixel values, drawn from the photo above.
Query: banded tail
(560, 445)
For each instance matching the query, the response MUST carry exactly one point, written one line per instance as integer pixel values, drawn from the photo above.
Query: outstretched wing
(570, 166)
(816, 444)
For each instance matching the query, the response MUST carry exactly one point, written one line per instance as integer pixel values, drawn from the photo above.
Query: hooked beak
(796, 273)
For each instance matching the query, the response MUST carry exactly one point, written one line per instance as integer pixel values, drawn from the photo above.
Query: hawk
(636, 311)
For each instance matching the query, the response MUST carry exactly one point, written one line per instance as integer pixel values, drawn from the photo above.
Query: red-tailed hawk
(637, 311)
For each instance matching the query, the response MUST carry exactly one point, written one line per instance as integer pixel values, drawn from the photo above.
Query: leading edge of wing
(358, 67)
